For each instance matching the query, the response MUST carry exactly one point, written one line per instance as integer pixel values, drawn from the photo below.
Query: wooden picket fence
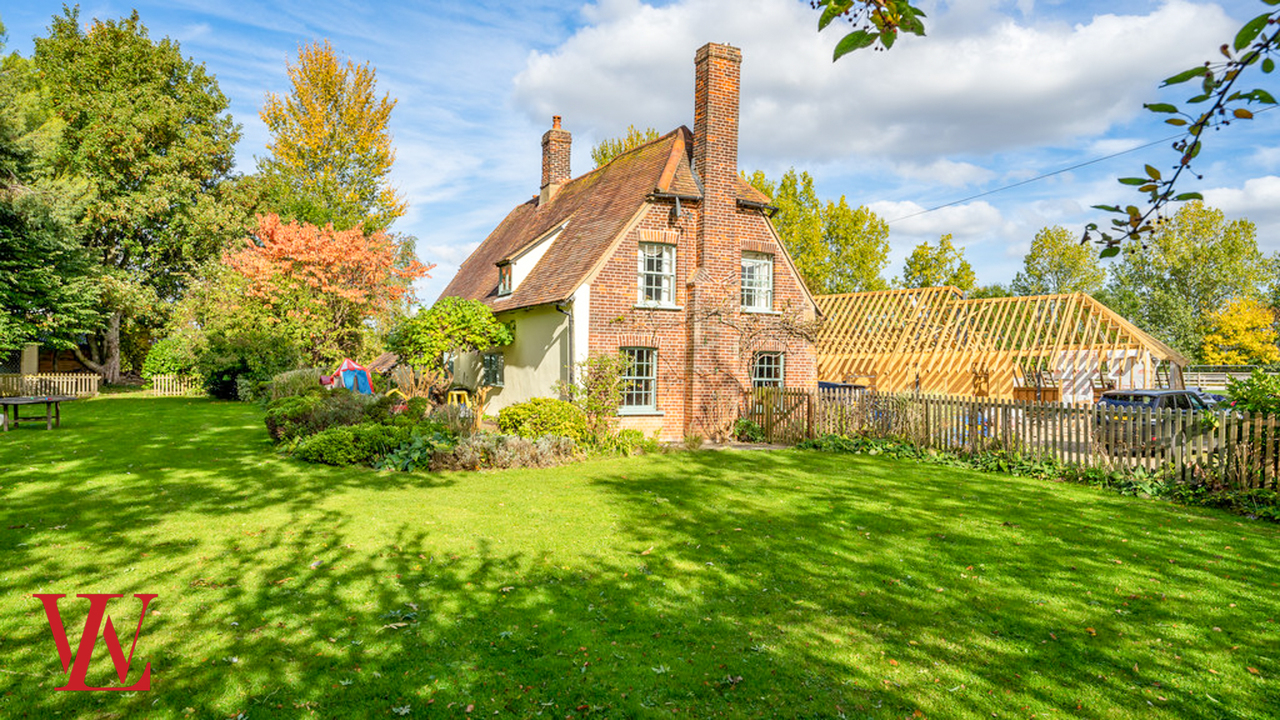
(173, 385)
(1219, 446)
(77, 384)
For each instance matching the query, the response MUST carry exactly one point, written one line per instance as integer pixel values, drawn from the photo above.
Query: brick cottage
(664, 254)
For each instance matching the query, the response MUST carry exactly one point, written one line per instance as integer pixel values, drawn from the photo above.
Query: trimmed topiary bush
(544, 416)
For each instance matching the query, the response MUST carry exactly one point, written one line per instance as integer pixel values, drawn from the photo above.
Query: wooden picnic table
(52, 409)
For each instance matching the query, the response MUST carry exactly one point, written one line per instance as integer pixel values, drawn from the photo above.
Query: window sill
(757, 311)
(640, 412)
(658, 307)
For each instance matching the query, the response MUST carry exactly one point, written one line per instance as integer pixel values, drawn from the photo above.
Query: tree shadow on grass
(260, 632)
(736, 585)
(120, 466)
(996, 592)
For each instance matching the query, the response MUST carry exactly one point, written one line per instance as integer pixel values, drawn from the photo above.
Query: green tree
(1195, 265)
(611, 148)
(930, 266)
(331, 152)
(994, 290)
(137, 141)
(451, 325)
(48, 293)
(836, 248)
(1058, 264)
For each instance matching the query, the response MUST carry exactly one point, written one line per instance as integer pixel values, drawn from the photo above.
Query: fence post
(809, 403)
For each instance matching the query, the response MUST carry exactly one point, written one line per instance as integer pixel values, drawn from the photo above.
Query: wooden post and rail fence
(1228, 446)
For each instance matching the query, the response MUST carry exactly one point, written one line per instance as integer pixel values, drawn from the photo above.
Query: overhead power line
(1049, 174)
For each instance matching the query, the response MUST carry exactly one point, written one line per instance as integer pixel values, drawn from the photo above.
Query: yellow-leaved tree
(330, 145)
(1242, 334)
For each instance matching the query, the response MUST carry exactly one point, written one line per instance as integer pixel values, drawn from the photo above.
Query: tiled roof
(597, 206)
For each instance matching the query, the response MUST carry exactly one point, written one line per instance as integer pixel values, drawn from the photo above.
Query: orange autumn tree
(324, 286)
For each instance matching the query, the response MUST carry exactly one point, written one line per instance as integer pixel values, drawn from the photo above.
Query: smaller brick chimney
(556, 144)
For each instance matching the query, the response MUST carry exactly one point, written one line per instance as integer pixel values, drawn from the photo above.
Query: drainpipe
(567, 311)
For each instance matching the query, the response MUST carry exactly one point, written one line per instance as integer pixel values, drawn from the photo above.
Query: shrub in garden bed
(544, 416)
(629, 442)
(305, 381)
(484, 450)
(301, 415)
(362, 444)
(748, 431)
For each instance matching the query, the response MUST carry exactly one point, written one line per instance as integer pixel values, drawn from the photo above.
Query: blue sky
(1000, 92)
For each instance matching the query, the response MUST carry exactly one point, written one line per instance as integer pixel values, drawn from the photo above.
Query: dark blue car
(1118, 428)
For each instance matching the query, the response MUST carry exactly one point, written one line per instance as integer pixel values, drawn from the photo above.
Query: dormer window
(504, 279)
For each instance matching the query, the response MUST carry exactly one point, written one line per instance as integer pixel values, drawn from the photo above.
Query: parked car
(1118, 427)
(1213, 400)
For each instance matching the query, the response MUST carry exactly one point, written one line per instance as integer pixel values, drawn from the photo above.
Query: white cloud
(910, 218)
(945, 172)
(1002, 86)
(1258, 200)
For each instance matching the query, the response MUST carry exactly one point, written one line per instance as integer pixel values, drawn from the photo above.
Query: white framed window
(504, 279)
(767, 370)
(656, 274)
(640, 380)
(757, 281)
(494, 367)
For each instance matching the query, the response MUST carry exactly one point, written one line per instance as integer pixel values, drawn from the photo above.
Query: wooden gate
(785, 415)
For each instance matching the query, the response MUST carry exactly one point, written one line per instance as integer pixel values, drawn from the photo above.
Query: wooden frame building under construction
(1064, 348)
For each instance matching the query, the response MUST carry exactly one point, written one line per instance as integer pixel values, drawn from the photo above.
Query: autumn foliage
(1242, 334)
(324, 283)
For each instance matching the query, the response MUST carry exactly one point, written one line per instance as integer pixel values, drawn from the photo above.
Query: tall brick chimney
(715, 145)
(556, 144)
(714, 372)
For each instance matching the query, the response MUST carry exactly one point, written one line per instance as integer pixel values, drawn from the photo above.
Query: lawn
(708, 584)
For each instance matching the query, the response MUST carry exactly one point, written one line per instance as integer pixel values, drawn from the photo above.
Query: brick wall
(686, 369)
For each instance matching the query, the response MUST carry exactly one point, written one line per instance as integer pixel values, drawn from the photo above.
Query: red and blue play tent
(352, 376)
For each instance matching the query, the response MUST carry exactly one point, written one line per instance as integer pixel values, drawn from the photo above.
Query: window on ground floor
(495, 364)
(640, 380)
(767, 369)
